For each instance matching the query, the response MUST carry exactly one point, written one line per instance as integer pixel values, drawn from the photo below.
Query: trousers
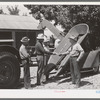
(46, 68)
(40, 70)
(27, 82)
(75, 70)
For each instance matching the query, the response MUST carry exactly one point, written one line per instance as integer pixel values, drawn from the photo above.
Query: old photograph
(50, 46)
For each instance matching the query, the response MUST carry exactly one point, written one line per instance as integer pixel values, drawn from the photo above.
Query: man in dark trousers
(76, 52)
(25, 61)
(40, 51)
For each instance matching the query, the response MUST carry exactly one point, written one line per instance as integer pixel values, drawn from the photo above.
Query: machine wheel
(96, 69)
(9, 70)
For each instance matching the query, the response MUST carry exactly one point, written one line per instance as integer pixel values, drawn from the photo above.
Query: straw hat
(40, 36)
(25, 39)
(58, 40)
(73, 37)
(46, 40)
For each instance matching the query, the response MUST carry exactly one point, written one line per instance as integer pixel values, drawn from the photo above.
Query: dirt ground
(88, 81)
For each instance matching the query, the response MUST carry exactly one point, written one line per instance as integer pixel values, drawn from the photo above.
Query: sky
(21, 7)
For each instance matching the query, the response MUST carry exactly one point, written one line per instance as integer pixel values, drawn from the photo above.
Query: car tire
(9, 70)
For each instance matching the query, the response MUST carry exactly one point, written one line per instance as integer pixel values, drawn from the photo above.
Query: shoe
(28, 87)
(37, 84)
(73, 83)
(42, 84)
(77, 86)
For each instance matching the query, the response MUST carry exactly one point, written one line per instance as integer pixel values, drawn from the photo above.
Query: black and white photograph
(50, 46)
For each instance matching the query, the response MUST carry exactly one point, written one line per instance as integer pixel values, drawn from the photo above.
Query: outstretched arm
(64, 53)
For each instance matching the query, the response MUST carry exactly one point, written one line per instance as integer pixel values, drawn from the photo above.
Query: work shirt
(56, 44)
(40, 49)
(75, 50)
(46, 48)
(23, 52)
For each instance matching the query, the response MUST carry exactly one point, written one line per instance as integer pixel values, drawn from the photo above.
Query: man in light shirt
(25, 61)
(76, 52)
(40, 51)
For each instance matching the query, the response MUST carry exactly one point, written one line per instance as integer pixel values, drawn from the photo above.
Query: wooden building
(13, 28)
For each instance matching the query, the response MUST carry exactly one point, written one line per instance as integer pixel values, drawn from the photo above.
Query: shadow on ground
(21, 83)
(66, 78)
(61, 79)
(85, 83)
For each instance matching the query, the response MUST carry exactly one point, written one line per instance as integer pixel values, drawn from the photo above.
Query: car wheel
(9, 70)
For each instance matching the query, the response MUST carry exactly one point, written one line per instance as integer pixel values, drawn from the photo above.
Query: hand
(54, 53)
(60, 54)
(77, 60)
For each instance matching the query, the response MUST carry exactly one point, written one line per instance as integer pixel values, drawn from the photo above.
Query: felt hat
(46, 40)
(25, 39)
(58, 40)
(40, 36)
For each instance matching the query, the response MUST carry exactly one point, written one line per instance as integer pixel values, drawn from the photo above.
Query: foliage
(69, 15)
(13, 10)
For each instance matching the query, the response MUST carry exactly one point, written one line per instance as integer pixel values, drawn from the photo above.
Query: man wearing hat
(76, 52)
(25, 61)
(40, 51)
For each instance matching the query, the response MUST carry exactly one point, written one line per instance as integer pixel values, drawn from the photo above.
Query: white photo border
(54, 93)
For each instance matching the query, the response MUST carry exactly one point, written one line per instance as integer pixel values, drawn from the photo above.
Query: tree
(88, 14)
(69, 15)
(13, 10)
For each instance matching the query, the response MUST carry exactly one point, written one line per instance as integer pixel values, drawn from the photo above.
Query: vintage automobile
(12, 29)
